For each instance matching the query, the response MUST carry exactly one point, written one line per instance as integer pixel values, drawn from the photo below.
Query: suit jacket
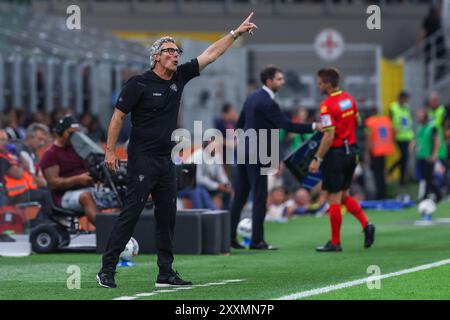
(260, 111)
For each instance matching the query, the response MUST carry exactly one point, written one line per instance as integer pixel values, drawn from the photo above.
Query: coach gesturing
(153, 99)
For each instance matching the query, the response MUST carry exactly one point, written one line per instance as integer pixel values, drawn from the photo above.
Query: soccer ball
(131, 250)
(427, 207)
(244, 228)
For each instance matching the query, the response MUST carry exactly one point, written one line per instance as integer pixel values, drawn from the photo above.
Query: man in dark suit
(260, 111)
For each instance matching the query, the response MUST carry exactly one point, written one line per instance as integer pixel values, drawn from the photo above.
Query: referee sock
(355, 209)
(335, 221)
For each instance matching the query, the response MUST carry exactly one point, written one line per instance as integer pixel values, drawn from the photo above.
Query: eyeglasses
(171, 51)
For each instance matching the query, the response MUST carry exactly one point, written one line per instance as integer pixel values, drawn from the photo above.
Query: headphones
(59, 128)
(63, 124)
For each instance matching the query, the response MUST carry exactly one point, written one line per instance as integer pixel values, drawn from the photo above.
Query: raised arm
(214, 51)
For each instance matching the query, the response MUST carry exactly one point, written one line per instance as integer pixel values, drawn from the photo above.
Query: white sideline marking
(125, 298)
(174, 289)
(145, 294)
(314, 292)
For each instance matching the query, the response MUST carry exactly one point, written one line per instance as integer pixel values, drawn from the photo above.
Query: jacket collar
(269, 91)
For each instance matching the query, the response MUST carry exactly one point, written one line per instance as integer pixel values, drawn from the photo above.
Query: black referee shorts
(337, 169)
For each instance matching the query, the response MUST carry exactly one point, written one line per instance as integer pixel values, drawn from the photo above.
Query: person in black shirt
(153, 99)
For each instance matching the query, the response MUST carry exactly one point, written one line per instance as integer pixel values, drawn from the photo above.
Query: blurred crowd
(24, 140)
(400, 144)
(16, 121)
(399, 148)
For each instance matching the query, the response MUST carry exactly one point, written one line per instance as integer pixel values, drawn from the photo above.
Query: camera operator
(67, 175)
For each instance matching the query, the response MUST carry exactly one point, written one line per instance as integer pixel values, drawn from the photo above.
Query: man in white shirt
(210, 173)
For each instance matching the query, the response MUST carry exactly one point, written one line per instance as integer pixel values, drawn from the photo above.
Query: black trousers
(427, 169)
(146, 175)
(403, 161)
(377, 164)
(248, 178)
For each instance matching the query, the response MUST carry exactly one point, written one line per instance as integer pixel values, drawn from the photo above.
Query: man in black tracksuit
(260, 112)
(153, 99)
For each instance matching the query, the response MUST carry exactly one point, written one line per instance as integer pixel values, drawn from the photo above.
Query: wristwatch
(318, 159)
(234, 35)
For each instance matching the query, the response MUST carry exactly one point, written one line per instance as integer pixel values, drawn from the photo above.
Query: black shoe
(236, 245)
(106, 279)
(171, 280)
(369, 235)
(262, 246)
(329, 247)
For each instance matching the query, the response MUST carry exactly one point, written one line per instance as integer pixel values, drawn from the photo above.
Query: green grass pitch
(295, 267)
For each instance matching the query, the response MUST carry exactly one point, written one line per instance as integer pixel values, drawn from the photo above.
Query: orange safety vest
(380, 135)
(15, 187)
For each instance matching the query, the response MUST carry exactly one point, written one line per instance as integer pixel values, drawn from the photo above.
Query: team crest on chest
(174, 87)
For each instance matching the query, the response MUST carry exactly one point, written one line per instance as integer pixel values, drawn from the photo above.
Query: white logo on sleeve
(326, 120)
(174, 87)
(141, 177)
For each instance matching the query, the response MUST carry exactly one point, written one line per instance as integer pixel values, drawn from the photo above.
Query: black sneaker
(329, 247)
(369, 235)
(106, 279)
(171, 280)
(262, 246)
(236, 245)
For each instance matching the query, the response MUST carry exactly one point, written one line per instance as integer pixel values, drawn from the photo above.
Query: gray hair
(34, 127)
(156, 48)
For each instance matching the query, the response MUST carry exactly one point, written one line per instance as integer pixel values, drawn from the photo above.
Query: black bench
(196, 231)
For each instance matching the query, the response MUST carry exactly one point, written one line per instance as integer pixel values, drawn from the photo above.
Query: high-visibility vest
(438, 115)
(380, 135)
(402, 122)
(15, 187)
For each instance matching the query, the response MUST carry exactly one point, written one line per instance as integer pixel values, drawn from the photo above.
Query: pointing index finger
(249, 17)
